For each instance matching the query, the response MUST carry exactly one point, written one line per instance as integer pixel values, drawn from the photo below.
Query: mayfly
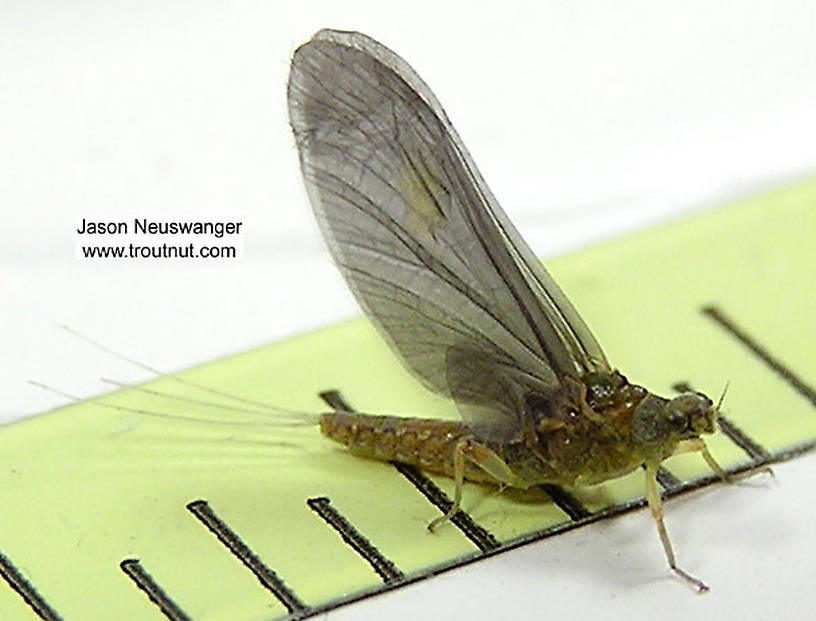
(460, 297)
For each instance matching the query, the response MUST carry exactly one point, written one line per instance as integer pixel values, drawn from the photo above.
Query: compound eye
(677, 421)
(706, 403)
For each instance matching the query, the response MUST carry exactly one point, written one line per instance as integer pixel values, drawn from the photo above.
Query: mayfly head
(659, 424)
(693, 413)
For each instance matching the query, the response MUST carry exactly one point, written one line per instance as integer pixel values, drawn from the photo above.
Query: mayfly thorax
(461, 299)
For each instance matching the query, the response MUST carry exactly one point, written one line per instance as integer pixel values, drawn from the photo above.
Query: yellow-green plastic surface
(85, 487)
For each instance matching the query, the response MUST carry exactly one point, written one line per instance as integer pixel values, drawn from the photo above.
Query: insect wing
(426, 249)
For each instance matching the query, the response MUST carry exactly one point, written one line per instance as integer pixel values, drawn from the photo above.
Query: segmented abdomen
(424, 443)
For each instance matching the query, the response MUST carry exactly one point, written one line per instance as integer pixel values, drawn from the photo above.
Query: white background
(587, 119)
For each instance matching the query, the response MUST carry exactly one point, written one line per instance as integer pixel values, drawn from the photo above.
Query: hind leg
(481, 456)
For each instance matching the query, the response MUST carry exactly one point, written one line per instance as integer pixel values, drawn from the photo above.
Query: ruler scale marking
(26, 590)
(565, 501)
(384, 567)
(144, 581)
(266, 576)
(667, 480)
(761, 352)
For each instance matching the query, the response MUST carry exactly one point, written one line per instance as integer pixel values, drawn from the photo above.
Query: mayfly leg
(698, 445)
(485, 459)
(459, 482)
(656, 507)
(693, 445)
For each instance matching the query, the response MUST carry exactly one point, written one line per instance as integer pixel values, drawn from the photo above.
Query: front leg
(697, 445)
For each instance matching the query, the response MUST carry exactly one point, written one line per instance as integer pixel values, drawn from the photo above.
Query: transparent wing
(423, 244)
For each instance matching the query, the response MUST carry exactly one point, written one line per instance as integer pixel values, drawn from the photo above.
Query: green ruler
(110, 514)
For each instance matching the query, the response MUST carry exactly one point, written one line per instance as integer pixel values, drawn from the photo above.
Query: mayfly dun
(462, 300)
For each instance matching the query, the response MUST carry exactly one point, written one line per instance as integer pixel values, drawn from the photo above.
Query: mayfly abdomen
(421, 442)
